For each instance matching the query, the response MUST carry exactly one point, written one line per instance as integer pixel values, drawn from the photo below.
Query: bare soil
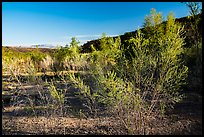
(184, 119)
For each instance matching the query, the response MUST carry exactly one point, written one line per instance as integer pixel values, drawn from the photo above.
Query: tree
(194, 8)
(193, 50)
(74, 46)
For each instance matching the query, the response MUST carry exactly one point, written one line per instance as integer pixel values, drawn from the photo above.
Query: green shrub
(145, 85)
(57, 98)
(37, 57)
(66, 57)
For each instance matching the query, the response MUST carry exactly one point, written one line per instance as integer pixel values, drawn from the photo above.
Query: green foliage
(59, 57)
(108, 55)
(193, 52)
(100, 62)
(170, 73)
(61, 53)
(14, 61)
(153, 19)
(146, 84)
(193, 59)
(37, 57)
(153, 27)
(74, 55)
(85, 94)
(9, 54)
(135, 80)
(57, 96)
(67, 56)
(74, 42)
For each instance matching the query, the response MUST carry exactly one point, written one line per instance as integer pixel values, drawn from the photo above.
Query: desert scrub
(85, 94)
(53, 100)
(14, 60)
(143, 85)
(66, 58)
(37, 57)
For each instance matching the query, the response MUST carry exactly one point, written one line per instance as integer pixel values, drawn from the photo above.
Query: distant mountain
(44, 46)
(33, 46)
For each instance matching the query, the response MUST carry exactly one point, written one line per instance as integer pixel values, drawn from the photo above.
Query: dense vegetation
(135, 79)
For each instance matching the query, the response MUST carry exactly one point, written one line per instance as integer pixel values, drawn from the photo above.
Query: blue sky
(28, 23)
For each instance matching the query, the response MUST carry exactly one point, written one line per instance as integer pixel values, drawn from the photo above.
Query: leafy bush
(66, 58)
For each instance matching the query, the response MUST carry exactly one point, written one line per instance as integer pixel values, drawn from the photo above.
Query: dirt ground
(25, 125)
(184, 119)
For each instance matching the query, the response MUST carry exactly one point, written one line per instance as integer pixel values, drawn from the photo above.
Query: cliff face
(86, 48)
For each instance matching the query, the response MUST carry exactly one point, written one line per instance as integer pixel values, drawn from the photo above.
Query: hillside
(86, 48)
(26, 49)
